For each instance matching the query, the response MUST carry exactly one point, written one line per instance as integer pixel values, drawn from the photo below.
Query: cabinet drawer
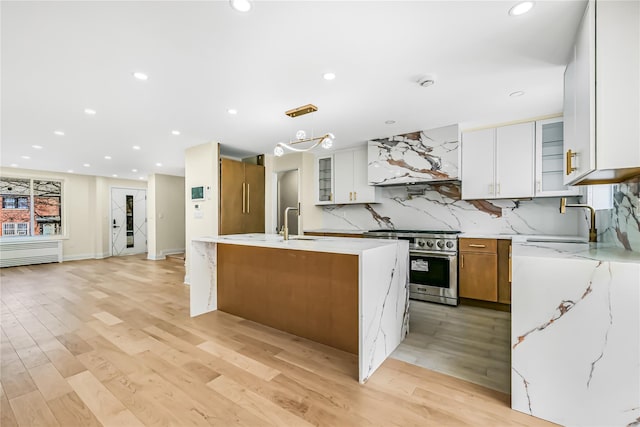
(478, 245)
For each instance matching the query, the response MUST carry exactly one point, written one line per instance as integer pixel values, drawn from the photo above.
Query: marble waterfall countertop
(335, 231)
(575, 325)
(383, 285)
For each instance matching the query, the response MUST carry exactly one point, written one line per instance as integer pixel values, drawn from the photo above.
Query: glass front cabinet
(549, 158)
(324, 180)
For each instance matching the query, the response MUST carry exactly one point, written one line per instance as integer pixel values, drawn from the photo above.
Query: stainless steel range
(433, 260)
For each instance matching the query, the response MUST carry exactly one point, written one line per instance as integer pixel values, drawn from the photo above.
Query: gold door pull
(475, 245)
(243, 199)
(248, 197)
(570, 156)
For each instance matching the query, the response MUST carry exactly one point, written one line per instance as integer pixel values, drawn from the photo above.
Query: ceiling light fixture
(389, 122)
(329, 76)
(115, 175)
(140, 76)
(25, 157)
(326, 140)
(159, 164)
(240, 5)
(175, 132)
(69, 170)
(232, 111)
(141, 177)
(107, 157)
(14, 165)
(89, 112)
(136, 147)
(521, 8)
(86, 165)
(58, 132)
(37, 147)
(516, 94)
(426, 81)
(134, 170)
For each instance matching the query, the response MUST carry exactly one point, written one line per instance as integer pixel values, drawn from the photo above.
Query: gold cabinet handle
(461, 260)
(510, 265)
(570, 156)
(476, 245)
(243, 199)
(355, 196)
(248, 197)
(350, 196)
(331, 197)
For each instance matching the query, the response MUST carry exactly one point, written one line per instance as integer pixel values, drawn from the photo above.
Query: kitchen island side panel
(384, 304)
(576, 340)
(203, 290)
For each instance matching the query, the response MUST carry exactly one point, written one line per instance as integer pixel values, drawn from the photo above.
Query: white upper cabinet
(549, 160)
(601, 99)
(497, 163)
(342, 178)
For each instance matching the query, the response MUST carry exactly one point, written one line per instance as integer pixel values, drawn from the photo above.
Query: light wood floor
(470, 343)
(110, 342)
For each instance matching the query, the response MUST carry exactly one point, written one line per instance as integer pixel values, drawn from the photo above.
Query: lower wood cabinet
(484, 270)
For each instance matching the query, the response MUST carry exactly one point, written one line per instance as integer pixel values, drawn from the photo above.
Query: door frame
(146, 214)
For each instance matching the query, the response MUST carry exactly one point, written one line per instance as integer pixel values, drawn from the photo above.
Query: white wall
(166, 215)
(86, 206)
(202, 164)
(311, 217)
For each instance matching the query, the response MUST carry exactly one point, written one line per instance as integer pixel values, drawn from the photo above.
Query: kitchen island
(351, 294)
(576, 333)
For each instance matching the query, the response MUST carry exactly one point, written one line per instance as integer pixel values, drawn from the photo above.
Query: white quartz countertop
(588, 251)
(339, 245)
(520, 237)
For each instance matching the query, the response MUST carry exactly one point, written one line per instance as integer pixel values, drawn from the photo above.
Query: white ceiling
(203, 57)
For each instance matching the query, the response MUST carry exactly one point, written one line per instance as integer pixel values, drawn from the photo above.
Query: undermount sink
(556, 240)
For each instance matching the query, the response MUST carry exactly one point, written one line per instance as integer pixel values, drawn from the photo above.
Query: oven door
(433, 277)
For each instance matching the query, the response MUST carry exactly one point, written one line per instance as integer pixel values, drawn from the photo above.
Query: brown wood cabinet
(484, 270)
(241, 197)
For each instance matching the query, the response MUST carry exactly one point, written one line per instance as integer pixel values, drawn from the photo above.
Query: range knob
(449, 244)
(440, 244)
(430, 243)
(421, 243)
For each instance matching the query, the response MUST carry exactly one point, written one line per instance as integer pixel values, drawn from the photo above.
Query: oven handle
(433, 254)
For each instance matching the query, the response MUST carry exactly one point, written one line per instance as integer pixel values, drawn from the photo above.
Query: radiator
(26, 253)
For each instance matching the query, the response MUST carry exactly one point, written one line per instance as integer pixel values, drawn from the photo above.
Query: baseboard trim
(81, 257)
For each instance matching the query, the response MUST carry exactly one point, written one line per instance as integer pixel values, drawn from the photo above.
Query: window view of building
(30, 207)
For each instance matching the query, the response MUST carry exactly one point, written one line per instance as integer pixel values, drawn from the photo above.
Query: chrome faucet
(593, 233)
(286, 220)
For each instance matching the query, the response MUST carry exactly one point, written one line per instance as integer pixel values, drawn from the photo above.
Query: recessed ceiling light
(58, 132)
(14, 165)
(521, 8)
(175, 132)
(516, 94)
(240, 5)
(136, 147)
(107, 157)
(159, 165)
(389, 122)
(141, 177)
(329, 76)
(86, 165)
(69, 170)
(140, 76)
(115, 175)
(89, 112)
(134, 170)
(232, 111)
(37, 147)
(25, 157)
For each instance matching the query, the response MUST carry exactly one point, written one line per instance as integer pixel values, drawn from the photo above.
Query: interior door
(254, 209)
(128, 221)
(232, 197)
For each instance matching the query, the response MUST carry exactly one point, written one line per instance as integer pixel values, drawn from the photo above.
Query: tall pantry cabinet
(241, 197)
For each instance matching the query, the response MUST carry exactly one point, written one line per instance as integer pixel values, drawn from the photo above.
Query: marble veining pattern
(621, 225)
(414, 157)
(438, 207)
(576, 335)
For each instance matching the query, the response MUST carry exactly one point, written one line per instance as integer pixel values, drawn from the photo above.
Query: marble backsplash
(438, 207)
(621, 225)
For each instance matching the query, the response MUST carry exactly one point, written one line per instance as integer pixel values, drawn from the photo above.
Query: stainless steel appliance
(433, 263)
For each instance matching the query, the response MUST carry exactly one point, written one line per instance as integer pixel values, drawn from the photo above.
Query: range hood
(415, 158)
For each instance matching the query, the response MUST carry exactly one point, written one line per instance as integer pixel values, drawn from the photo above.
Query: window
(30, 207)
(15, 228)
